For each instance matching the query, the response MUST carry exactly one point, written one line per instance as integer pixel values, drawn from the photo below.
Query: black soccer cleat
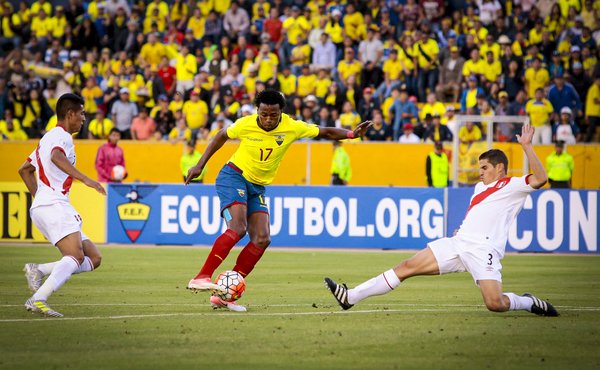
(340, 292)
(540, 307)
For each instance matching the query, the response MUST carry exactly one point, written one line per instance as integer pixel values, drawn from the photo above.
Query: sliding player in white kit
(479, 244)
(48, 174)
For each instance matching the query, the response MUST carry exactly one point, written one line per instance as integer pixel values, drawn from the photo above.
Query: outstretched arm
(215, 144)
(334, 133)
(539, 176)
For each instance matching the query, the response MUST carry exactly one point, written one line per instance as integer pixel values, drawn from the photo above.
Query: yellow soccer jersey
(494, 48)
(288, 84)
(430, 47)
(346, 69)
(536, 79)
(321, 87)
(306, 85)
(471, 67)
(433, 109)
(492, 71)
(539, 112)
(592, 108)
(393, 68)
(260, 152)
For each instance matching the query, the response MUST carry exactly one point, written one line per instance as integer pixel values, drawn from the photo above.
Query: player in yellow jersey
(264, 139)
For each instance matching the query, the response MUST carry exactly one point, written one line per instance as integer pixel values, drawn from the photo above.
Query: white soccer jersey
(493, 209)
(53, 183)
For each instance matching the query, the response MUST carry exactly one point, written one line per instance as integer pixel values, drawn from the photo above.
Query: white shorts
(56, 221)
(460, 254)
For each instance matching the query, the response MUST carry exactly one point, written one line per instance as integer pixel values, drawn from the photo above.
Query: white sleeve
(522, 184)
(62, 142)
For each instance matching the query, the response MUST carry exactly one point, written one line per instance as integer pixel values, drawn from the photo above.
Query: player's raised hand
(95, 185)
(192, 174)
(361, 128)
(526, 135)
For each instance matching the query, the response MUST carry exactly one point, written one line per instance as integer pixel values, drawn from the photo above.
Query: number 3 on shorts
(490, 259)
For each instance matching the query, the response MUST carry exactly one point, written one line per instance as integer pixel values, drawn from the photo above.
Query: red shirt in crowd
(108, 156)
(167, 75)
(273, 27)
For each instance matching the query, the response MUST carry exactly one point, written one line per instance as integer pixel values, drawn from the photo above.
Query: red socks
(218, 253)
(248, 258)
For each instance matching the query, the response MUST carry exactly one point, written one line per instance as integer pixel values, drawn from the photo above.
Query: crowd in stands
(179, 70)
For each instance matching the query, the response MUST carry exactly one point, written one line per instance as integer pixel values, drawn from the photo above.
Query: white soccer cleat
(42, 308)
(34, 276)
(216, 303)
(205, 284)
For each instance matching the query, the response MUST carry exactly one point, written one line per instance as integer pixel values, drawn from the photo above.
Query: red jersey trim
(42, 172)
(28, 159)
(67, 185)
(59, 148)
(527, 178)
(489, 191)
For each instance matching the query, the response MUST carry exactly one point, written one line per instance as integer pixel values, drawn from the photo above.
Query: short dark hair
(67, 102)
(270, 97)
(114, 129)
(495, 156)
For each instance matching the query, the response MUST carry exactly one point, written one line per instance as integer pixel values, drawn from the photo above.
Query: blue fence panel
(551, 220)
(360, 217)
(355, 217)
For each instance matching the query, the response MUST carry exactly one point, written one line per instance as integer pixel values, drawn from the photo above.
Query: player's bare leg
(35, 273)
(260, 239)
(72, 250)
(422, 263)
(235, 216)
(92, 254)
(497, 301)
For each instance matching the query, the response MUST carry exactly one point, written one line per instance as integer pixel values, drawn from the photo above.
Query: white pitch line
(227, 313)
(258, 305)
(257, 314)
(325, 304)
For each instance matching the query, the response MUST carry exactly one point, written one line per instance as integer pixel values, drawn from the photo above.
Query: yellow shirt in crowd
(539, 112)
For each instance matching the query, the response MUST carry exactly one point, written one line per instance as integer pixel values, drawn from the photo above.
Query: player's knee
(263, 241)
(408, 267)
(96, 260)
(239, 228)
(78, 257)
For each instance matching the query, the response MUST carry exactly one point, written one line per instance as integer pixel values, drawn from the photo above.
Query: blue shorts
(233, 188)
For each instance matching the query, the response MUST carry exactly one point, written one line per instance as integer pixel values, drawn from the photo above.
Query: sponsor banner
(16, 224)
(551, 220)
(361, 217)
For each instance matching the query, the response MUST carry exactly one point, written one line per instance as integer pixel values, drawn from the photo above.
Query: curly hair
(270, 97)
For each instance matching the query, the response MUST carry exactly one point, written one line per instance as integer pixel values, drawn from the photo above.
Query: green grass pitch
(135, 313)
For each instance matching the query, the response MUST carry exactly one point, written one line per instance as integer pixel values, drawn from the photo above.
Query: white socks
(46, 268)
(61, 272)
(86, 266)
(518, 302)
(380, 284)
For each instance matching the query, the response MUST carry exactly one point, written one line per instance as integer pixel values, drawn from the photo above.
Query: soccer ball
(234, 285)
(118, 172)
